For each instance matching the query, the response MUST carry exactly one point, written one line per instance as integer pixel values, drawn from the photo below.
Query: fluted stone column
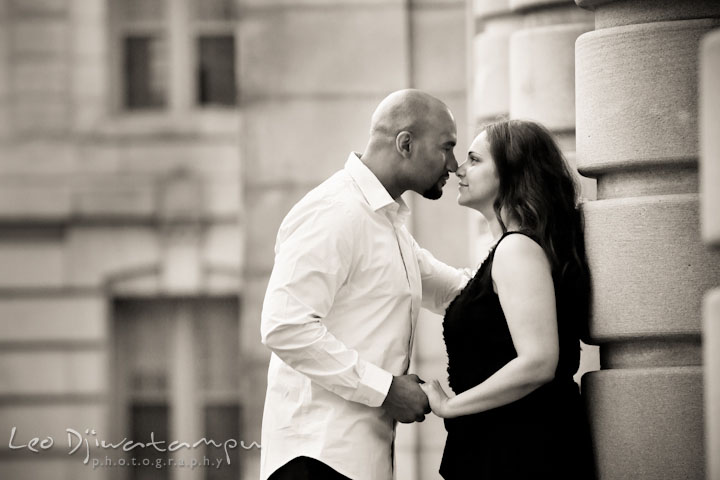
(709, 207)
(636, 93)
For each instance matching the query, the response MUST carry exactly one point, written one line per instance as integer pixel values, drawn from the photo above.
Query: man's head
(414, 133)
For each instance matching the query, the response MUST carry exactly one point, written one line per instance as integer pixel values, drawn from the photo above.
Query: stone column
(524, 66)
(636, 92)
(494, 24)
(542, 69)
(4, 87)
(709, 206)
(489, 90)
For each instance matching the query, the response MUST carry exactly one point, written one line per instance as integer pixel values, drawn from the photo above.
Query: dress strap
(506, 234)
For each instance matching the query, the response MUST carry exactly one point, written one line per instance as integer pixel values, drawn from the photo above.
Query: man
(343, 298)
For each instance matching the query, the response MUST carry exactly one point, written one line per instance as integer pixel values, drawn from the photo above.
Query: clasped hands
(410, 399)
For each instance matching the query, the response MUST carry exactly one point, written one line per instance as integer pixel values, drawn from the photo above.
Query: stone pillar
(542, 69)
(636, 92)
(489, 90)
(90, 79)
(524, 66)
(4, 87)
(709, 205)
(494, 24)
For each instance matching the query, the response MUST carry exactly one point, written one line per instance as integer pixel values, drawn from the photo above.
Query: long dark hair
(538, 189)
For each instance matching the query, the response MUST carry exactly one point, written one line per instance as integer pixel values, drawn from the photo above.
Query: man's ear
(403, 143)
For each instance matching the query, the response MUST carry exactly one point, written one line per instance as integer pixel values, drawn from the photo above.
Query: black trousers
(306, 468)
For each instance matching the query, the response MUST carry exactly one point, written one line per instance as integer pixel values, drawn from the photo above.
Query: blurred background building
(150, 148)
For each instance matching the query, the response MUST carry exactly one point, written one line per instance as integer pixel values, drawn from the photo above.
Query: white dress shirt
(339, 316)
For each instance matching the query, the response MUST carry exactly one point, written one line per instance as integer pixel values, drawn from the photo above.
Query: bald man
(343, 298)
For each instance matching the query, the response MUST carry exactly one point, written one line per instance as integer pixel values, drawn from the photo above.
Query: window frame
(184, 396)
(182, 32)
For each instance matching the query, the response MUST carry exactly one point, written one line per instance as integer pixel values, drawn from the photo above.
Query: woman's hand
(437, 397)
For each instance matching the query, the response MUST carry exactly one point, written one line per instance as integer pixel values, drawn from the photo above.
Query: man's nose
(452, 164)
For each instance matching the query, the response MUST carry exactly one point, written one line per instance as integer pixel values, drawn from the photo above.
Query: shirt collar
(372, 189)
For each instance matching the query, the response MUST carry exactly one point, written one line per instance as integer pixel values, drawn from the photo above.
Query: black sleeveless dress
(543, 435)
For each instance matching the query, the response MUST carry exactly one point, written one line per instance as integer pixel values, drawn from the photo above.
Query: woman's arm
(522, 278)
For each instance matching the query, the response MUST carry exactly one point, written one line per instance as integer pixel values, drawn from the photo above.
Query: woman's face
(479, 181)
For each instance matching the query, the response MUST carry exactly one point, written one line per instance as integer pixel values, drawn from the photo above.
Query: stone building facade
(120, 229)
(150, 148)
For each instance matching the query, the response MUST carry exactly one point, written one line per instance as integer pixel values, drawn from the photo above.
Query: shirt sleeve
(441, 283)
(313, 259)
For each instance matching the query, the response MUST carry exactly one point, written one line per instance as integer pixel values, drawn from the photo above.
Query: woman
(512, 335)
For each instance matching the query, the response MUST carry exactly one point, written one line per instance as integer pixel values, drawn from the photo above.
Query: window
(175, 54)
(145, 71)
(177, 378)
(216, 79)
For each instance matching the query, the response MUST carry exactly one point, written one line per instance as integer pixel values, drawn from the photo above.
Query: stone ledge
(118, 199)
(53, 319)
(54, 372)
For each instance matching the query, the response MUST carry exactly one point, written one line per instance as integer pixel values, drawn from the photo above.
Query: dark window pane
(222, 422)
(144, 420)
(216, 70)
(145, 72)
(214, 9)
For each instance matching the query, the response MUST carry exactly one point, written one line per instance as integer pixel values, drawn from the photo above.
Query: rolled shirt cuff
(374, 386)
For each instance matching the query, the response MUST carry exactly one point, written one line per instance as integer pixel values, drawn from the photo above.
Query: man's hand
(406, 402)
